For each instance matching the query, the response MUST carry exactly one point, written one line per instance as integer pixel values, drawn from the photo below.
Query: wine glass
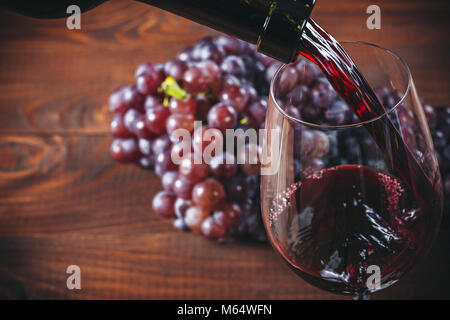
(351, 206)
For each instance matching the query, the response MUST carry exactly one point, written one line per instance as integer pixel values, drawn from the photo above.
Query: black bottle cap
(283, 28)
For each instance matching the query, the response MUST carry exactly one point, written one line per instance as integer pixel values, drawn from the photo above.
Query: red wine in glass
(350, 217)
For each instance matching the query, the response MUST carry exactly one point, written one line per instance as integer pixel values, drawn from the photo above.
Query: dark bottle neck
(274, 26)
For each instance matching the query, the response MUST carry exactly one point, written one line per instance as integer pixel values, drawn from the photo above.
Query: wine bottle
(275, 26)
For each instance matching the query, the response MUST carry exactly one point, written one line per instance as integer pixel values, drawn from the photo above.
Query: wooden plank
(150, 266)
(175, 266)
(55, 184)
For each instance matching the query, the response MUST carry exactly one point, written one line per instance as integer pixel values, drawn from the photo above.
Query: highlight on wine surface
(180, 149)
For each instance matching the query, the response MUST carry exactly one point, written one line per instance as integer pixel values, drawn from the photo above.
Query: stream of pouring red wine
(320, 47)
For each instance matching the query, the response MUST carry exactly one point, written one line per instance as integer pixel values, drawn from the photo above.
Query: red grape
(185, 106)
(235, 96)
(236, 187)
(175, 68)
(306, 72)
(183, 187)
(204, 103)
(195, 216)
(156, 119)
(214, 54)
(299, 96)
(126, 98)
(251, 92)
(193, 170)
(195, 80)
(338, 114)
(201, 141)
(179, 224)
(321, 144)
(210, 70)
(257, 110)
(163, 204)
(168, 180)
(130, 118)
(431, 115)
(271, 70)
(213, 229)
(147, 162)
(133, 98)
(287, 79)
(447, 186)
(234, 65)
(152, 101)
(222, 117)
(230, 45)
(141, 130)
(145, 146)
(230, 80)
(208, 193)
(164, 163)
(229, 214)
(185, 54)
(199, 46)
(211, 52)
(116, 102)
(223, 166)
(249, 159)
(143, 68)
(292, 111)
(125, 150)
(118, 128)
(304, 143)
(248, 120)
(179, 121)
(149, 78)
(322, 94)
(181, 206)
(161, 144)
(180, 150)
(310, 113)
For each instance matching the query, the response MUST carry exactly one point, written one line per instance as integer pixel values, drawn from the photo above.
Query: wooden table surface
(63, 201)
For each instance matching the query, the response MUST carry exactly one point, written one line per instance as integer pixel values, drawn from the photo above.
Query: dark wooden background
(63, 201)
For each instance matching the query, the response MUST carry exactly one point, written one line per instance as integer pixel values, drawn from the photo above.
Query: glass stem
(361, 296)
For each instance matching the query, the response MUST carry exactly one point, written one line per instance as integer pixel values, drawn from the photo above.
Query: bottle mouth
(353, 124)
(283, 28)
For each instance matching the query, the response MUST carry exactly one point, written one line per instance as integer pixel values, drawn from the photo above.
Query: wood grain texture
(63, 200)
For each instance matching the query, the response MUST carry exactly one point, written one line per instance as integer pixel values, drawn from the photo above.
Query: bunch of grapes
(221, 82)
(224, 83)
(439, 123)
